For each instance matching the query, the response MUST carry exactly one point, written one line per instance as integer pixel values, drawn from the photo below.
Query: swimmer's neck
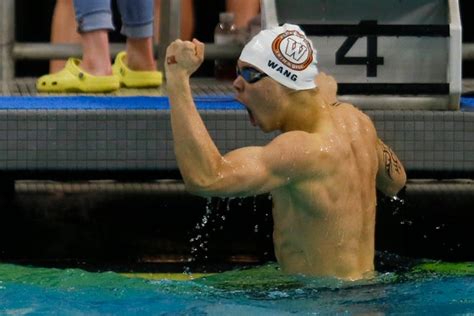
(305, 111)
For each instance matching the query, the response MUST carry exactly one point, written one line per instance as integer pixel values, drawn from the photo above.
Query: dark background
(143, 231)
(33, 20)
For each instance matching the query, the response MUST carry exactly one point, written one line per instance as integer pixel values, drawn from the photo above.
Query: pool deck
(138, 142)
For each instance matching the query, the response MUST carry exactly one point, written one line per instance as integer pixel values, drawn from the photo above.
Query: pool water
(431, 288)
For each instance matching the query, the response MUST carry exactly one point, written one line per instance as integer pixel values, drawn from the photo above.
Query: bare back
(322, 170)
(324, 224)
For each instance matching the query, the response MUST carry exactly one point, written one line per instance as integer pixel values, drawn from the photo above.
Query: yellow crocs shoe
(135, 79)
(73, 79)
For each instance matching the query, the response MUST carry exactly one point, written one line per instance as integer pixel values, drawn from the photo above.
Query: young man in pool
(322, 170)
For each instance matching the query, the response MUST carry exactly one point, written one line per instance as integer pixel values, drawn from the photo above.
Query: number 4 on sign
(371, 61)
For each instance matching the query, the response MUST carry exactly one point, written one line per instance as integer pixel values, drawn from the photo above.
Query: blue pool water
(258, 291)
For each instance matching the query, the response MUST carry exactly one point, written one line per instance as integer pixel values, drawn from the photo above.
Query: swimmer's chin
(252, 119)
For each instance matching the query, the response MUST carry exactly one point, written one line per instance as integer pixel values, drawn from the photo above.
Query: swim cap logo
(293, 49)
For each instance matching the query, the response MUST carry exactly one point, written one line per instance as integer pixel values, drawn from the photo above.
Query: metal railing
(468, 51)
(7, 39)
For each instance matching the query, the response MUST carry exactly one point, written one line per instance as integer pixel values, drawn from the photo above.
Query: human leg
(137, 68)
(94, 19)
(96, 53)
(187, 20)
(94, 72)
(137, 26)
(63, 30)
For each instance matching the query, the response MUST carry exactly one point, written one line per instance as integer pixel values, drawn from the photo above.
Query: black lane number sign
(371, 60)
(372, 31)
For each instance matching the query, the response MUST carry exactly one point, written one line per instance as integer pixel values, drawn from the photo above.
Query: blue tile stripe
(467, 101)
(131, 103)
(112, 103)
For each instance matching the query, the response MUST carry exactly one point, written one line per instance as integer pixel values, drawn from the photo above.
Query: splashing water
(199, 240)
(211, 221)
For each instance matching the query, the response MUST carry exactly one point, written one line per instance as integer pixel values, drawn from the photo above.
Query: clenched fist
(184, 57)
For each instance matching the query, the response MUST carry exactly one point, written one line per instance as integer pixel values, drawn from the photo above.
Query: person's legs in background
(137, 26)
(187, 20)
(94, 20)
(136, 67)
(63, 30)
(95, 72)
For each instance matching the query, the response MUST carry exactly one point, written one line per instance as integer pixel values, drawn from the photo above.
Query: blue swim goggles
(250, 74)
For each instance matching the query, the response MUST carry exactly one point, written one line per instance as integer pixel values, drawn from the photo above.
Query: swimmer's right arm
(205, 171)
(242, 172)
(255, 170)
(391, 176)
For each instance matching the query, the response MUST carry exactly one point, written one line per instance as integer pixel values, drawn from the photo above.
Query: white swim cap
(285, 54)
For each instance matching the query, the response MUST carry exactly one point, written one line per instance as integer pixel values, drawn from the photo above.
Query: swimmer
(322, 170)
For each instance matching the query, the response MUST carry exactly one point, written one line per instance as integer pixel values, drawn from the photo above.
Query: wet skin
(322, 170)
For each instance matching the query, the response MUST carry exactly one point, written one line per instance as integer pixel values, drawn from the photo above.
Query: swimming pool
(25, 290)
(432, 288)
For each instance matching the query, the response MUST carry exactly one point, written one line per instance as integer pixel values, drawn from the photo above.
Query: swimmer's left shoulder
(344, 106)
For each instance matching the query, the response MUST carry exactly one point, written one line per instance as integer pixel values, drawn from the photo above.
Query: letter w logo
(294, 49)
